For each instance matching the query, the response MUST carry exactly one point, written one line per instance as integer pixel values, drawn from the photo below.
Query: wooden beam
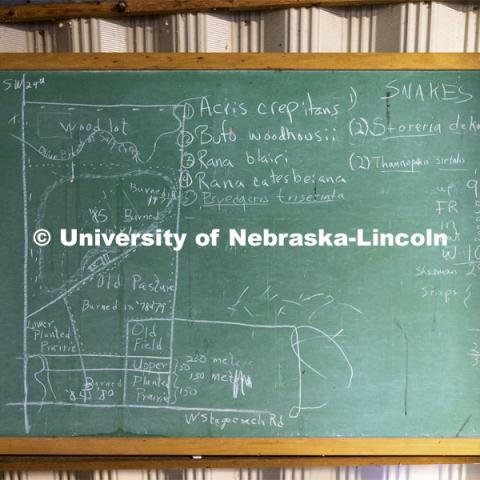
(240, 61)
(305, 447)
(122, 8)
(42, 463)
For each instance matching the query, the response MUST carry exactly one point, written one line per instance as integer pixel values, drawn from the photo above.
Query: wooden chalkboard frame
(140, 452)
(52, 11)
(240, 61)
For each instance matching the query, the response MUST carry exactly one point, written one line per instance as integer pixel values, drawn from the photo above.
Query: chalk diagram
(155, 365)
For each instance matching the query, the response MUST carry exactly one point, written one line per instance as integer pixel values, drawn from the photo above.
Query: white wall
(424, 472)
(414, 27)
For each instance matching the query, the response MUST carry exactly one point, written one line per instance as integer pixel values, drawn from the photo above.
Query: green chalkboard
(227, 339)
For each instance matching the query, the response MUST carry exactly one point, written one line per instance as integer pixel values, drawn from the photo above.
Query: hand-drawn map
(236, 341)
